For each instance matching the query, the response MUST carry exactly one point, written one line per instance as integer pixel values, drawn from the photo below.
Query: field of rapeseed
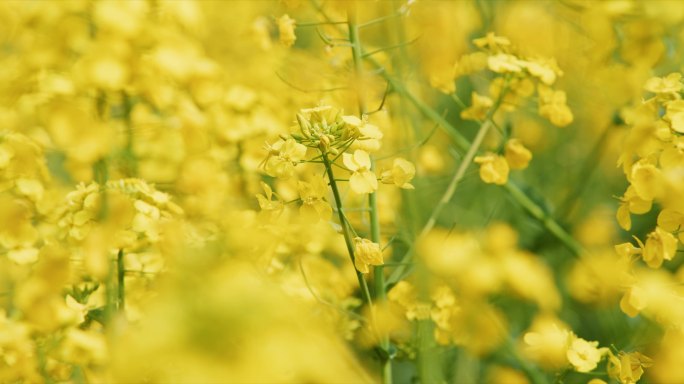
(329, 191)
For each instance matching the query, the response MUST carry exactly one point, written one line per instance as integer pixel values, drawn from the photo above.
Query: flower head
(362, 180)
(366, 253)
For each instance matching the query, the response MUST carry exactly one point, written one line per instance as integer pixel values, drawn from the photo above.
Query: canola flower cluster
(322, 191)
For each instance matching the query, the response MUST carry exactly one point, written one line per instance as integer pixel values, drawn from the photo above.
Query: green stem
(120, 271)
(547, 221)
(365, 292)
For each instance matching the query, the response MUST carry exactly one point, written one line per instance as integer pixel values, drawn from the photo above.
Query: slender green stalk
(378, 271)
(547, 221)
(365, 292)
(121, 289)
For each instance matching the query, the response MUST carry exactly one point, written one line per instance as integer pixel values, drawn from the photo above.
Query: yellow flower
(478, 109)
(282, 158)
(584, 355)
(369, 135)
(552, 105)
(647, 180)
(362, 179)
(401, 174)
(668, 85)
(631, 203)
(547, 72)
(627, 368)
(547, 343)
(286, 27)
(517, 156)
(266, 201)
(314, 207)
(493, 169)
(633, 301)
(492, 41)
(366, 253)
(660, 245)
(504, 63)
(675, 115)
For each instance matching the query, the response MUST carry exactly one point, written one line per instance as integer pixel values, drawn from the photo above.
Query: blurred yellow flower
(584, 355)
(479, 108)
(517, 156)
(286, 27)
(493, 168)
(401, 174)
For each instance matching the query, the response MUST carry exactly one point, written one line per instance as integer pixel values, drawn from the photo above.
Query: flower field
(341, 191)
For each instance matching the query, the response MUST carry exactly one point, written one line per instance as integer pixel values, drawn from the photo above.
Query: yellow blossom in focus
(283, 157)
(631, 203)
(366, 253)
(286, 27)
(627, 368)
(369, 135)
(660, 245)
(493, 168)
(362, 180)
(517, 156)
(401, 174)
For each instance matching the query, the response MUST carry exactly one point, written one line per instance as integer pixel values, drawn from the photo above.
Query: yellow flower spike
(478, 109)
(286, 27)
(362, 180)
(493, 168)
(401, 174)
(366, 253)
(660, 245)
(584, 355)
(517, 156)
